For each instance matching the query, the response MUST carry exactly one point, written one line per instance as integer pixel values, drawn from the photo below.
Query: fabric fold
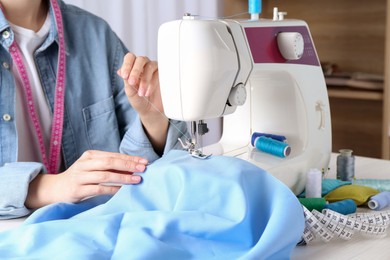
(185, 208)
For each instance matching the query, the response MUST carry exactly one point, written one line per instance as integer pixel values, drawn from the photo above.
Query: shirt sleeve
(136, 142)
(15, 180)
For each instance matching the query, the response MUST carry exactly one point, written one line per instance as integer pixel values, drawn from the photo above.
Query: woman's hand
(94, 173)
(142, 87)
(140, 76)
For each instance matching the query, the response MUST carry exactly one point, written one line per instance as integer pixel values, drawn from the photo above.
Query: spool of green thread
(313, 203)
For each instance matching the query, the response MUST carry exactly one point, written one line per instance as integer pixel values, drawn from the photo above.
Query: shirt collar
(52, 36)
(6, 34)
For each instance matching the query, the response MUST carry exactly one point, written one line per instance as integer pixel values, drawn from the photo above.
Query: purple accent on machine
(264, 46)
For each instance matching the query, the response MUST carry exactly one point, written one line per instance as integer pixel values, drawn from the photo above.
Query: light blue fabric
(378, 184)
(185, 208)
(97, 114)
(17, 176)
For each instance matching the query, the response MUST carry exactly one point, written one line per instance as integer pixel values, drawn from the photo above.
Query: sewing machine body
(206, 62)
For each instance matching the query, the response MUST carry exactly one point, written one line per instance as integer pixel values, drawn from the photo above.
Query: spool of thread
(254, 8)
(313, 203)
(378, 184)
(313, 184)
(279, 138)
(379, 201)
(271, 146)
(344, 207)
(345, 165)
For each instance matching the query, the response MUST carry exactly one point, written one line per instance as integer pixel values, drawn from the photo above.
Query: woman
(69, 104)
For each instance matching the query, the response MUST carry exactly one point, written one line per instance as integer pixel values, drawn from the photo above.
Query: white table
(10, 223)
(359, 247)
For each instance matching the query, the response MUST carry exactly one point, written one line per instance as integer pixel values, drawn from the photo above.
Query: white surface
(10, 223)
(359, 247)
(198, 65)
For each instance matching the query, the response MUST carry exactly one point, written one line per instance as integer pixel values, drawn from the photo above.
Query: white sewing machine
(261, 76)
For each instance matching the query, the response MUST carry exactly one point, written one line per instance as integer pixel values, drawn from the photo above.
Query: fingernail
(143, 161)
(140, 167)
(132, 81)
(136, 178)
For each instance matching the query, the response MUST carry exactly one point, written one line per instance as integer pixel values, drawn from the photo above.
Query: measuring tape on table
(329, 224)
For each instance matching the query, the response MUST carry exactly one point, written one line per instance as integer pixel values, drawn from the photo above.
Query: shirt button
(7, 117)
(6, 34)
(6, 65)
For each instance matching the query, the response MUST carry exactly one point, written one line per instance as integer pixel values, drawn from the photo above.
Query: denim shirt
(97, 113)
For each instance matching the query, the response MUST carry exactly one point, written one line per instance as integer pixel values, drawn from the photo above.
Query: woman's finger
(94, 154)
(149, 81)
(137, 75)
(87, 191)
(109, 164)
(99, 177)
(127, 65)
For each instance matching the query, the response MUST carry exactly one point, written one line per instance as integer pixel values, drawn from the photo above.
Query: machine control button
(237, 96)
(291, 45)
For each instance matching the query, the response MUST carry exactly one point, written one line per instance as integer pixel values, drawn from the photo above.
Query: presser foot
(190, 147)
(199, 154)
